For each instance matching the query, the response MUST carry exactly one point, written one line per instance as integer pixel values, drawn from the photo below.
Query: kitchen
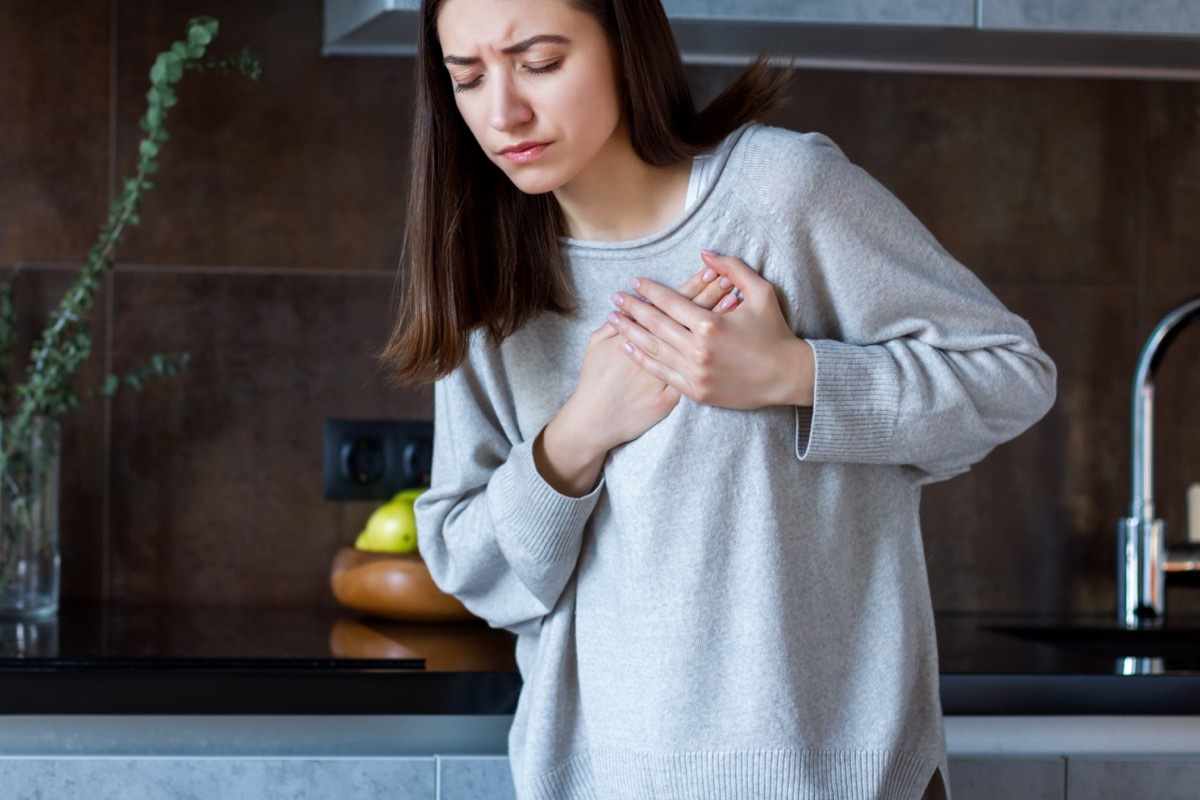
(268, 248)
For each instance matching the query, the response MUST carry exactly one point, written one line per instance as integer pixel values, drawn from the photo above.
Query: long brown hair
(480, 253)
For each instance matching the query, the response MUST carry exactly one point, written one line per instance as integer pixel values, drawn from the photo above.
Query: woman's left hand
(743, 359)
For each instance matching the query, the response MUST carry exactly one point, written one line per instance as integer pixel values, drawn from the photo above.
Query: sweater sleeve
(492, 531)
(919, 365)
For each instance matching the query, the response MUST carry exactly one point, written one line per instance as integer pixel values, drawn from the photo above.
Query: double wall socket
(374, 459)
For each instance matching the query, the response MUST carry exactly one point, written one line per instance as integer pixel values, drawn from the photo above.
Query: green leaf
(148, 148)
(158, 73)
(202, 30)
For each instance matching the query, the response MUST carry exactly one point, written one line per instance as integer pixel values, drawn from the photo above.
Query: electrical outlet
(374, 459)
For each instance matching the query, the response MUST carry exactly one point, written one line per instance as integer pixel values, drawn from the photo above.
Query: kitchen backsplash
(269, 245)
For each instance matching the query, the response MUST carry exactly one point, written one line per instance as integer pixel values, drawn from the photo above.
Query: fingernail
(708, 275)
(725, 283)
(614, 318)
(636, 283)
(708, 252)
(618, 299)
(628, 348)
(729, 302)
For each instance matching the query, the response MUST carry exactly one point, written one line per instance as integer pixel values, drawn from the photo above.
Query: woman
(698, 509)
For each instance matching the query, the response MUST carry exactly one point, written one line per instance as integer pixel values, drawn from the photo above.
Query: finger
(649, 344)
(655, 368)
(661, 325)
(736, 270)
(605, 331)
(698, 283)
(728, 303)
(712, 294)
(674, 305)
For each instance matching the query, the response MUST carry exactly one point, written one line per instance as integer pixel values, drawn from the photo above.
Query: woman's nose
(509, 107)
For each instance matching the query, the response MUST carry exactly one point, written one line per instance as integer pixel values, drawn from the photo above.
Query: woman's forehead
(502, 23)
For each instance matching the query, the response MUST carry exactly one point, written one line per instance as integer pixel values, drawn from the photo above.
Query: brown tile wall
(268, 246)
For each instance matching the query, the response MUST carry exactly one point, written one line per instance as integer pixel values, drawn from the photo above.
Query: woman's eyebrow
(512, 49)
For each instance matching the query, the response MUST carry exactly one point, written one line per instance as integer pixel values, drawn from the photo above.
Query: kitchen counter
(272, 661)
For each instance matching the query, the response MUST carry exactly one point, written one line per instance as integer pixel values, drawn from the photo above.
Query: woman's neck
(620, 197)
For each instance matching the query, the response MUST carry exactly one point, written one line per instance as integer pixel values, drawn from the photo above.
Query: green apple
(391, 528)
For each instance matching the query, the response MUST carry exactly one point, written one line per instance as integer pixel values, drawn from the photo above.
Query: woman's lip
(525, 154)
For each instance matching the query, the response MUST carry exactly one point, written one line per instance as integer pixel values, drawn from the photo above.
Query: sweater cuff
(856, 399)
(544, 525)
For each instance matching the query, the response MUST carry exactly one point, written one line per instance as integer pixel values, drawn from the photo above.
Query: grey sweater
(740, 608)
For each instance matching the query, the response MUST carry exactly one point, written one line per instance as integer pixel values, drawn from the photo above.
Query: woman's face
(535, 81)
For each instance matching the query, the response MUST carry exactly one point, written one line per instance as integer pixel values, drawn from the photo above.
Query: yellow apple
(391, 528)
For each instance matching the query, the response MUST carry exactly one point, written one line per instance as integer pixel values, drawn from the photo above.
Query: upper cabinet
(1168, 17)
(940, 13)
(1100, 38)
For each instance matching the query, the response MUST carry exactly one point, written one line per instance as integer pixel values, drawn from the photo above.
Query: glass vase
(30, 562)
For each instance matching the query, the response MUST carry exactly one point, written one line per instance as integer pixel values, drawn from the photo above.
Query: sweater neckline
(704, 203)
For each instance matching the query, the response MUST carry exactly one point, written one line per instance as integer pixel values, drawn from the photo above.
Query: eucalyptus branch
(8, 337)
(29, 436)
(157, 367)
(47, 391)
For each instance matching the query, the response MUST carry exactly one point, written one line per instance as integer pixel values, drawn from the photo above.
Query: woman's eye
(544, 68)
(471, 84)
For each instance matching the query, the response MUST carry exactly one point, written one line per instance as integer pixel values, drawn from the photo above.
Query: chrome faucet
(1143, 559)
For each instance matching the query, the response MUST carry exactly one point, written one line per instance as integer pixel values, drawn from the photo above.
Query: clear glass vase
(30, 562)
(36, 637)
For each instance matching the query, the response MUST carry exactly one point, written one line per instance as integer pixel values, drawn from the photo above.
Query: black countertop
(213, 660)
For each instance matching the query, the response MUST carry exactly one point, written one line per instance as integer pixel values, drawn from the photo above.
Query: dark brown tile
(54, 89)
(83, 468)
(217, 495)
(1172, 184)
(1024, 180)
(305, 168)
(1033, 526)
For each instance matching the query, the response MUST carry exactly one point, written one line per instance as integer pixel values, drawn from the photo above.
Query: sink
(1180, 645)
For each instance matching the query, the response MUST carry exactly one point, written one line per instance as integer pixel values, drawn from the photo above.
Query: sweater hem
(769, 774)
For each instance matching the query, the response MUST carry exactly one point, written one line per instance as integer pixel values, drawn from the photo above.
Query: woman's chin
(530, 181)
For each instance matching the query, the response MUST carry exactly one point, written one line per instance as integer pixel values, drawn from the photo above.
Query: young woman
(696, 507)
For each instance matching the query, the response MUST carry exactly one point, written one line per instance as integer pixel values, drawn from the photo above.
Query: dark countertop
(213, 660)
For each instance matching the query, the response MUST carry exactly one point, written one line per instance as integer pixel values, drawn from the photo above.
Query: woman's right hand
(615, 401)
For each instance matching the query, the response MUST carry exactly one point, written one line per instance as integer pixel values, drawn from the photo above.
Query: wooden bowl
(445, 648)
(392, 586)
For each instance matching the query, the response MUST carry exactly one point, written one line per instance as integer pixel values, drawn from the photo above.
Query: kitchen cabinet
(488, 778)
(1167, 17)
(1008, 778)
(136, 778)
(1109, 778)
(475, 778)
(255, 778)
(941, 13)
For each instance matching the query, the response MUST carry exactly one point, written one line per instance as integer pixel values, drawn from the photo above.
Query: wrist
(799, 373)
(567, 457)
